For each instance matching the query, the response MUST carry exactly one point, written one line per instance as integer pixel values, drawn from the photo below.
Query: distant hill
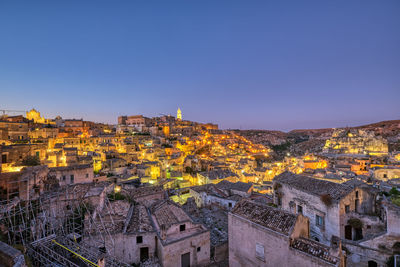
(300, 141)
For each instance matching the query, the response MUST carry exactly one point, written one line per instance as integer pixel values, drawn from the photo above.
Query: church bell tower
(179, 114)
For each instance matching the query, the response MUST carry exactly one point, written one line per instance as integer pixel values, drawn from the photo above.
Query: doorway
(185, 260)
(348, 232)
(144, 253)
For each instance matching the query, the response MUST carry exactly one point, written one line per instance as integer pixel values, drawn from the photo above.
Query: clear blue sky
(241, 64)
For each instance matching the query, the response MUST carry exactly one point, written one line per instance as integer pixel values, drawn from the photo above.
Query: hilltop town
(165, 191)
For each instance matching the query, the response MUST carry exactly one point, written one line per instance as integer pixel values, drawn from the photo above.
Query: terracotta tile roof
(210, 189)
(167, 213)
(314, 186)
(139, 220)
(145, 191)
(218, 174)
(239, 186)
(272, 218)
(315, 249)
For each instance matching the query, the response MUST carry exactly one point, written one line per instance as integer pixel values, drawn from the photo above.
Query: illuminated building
(179, 114)
(35, 116)
(344, 141)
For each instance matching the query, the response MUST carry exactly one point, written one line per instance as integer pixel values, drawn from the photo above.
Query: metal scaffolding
(55, 228)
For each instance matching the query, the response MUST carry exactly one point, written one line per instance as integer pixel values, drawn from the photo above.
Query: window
(319, 220)
(230, 205)
(260, 251)
(356, 194)
(4, 158)
(64, 177)
(139, 239)
(72, 178)
(198, 249)
(385, 175)
(347, 208)
(300, 209)
(87, 175)
(182, 227)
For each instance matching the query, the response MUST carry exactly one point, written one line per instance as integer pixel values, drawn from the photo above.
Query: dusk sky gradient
(242, 64)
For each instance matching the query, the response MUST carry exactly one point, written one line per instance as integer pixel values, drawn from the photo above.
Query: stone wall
(170, 254)
(11, 257)
(245, 237)
(312, 206)
(124, 247)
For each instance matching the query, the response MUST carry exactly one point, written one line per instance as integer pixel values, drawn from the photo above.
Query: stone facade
(260, 235)
(75, 174)
(353, 141)
(328, 205)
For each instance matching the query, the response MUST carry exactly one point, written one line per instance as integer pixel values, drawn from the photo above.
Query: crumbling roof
(272, 218)
(314, 248)
(314, 186)
(72, 167)
(110, 219)
(94, 191)
(218, 174)
(168, 213)
(238, 186)
(139, 220)
(145, 191)
(210, 189)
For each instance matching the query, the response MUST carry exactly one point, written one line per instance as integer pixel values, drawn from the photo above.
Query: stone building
(15, 154)
(26, 184)
(127, 231)
(181, 242)
(134, 233)
(238, 188)
(75, 174)
(11, 257)
(43, 133)
(328, 205)
(354, 141)
(146, 195)
(385, 173)
(216, 176)
(377, 250)
(209, 194)
(13, 131)
(260, 235)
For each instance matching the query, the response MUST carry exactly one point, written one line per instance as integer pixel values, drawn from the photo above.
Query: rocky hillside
(298, 142)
